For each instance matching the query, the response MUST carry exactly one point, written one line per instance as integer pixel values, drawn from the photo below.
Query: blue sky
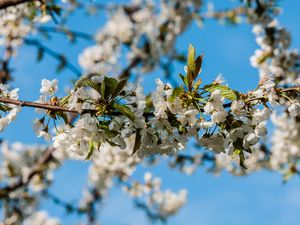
(260, 198)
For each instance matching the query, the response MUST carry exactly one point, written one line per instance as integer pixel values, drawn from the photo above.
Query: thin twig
(61, 58)
(66, 31)
(37, 105)
(7, 3)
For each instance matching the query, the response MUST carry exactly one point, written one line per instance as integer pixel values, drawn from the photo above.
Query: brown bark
(37, 105)
(7, 3)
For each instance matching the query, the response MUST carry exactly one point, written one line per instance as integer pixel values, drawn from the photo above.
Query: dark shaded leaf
(111, 133)
(198, 65)
(87, 82)
(138, 141)
(184, 79)
(64, 116)
(110, 85)
(120, 86)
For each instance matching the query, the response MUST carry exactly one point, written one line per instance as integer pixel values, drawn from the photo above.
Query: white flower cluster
(48, 90)
(112, 162)
(215, 108)
(41, 218)
(160, 203)
(16, 22)
(286, 142)
(22, 171)
(10, 111)
(172, 124)
(18, 161)
(275, 57)
(147, 31)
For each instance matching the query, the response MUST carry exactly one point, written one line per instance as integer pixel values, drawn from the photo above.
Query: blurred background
(260, 198)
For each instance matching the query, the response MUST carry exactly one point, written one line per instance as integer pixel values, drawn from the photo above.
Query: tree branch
(7, 3)
(37, 105)
(65, 109)
(64, 63)
(36, 169)
(66, 31)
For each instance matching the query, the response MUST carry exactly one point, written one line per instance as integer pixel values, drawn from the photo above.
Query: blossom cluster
(114, 125)
(17, 22)
(9, 111)
(25, 172)
(149, 29)
(161, 204)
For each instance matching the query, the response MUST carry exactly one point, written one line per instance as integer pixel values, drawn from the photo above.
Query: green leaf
(64, 116)
(138, 141)
(110, 86)
(197, 84)
(191, 58)
(226, 92)
(242, 159)
(125, 110)
(88, 82)
(4, 108)
(120, 86)
(91, 150)
(190, 80)
(184, 79)
(113, 144)
(102, 91)
(198, 65)
(63, 101)
(240, 153)
(149, 103)
(176, 92)
(110, 133)
(191, 67)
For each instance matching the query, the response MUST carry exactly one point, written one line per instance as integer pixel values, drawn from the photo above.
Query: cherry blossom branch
(36, 169)
(65, 109)
(37, 105)
(55, 107)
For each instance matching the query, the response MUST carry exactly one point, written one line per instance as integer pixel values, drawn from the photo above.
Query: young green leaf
(4, 108)
(191, 67)
(125, 110)
(91, 150)
(226, 92)
(191, 58)
(87, 82)
(176, 92)
(184, 79)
